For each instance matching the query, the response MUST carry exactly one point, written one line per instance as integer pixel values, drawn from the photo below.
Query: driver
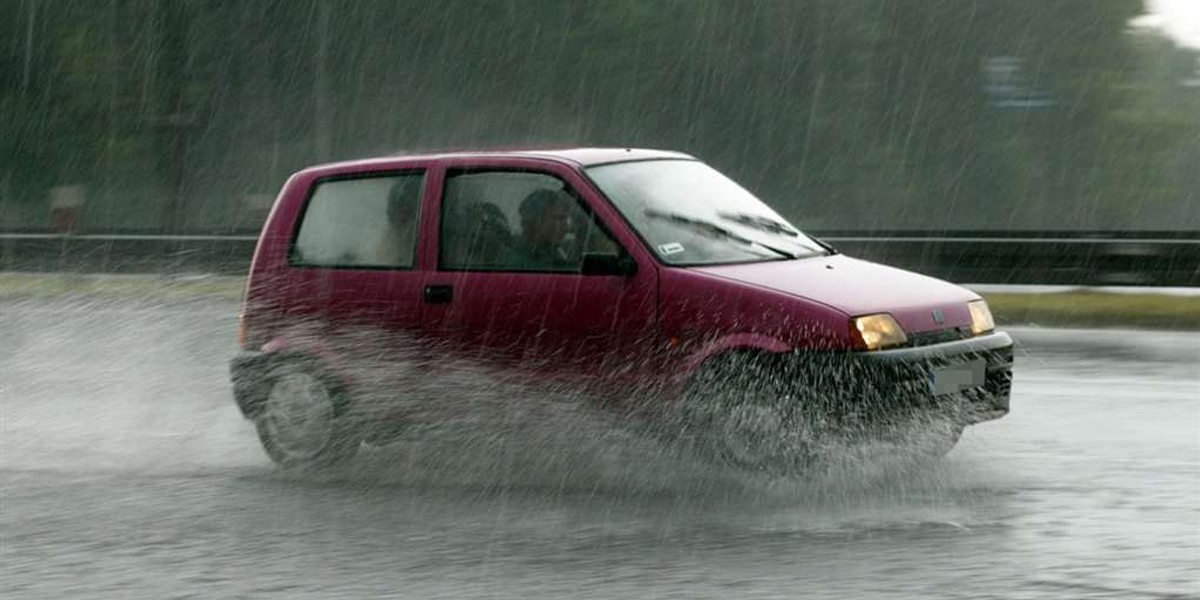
(545, 224)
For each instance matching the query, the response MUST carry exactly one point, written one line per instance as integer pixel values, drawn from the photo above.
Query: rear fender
(250, 370)
(312, 348)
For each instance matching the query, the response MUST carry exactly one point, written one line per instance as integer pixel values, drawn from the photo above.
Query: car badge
(938, 317)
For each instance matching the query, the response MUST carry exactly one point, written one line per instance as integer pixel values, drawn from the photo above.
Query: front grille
(906, 387)
(929, 338)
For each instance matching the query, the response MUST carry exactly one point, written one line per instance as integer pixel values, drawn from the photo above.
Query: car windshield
(691, 214)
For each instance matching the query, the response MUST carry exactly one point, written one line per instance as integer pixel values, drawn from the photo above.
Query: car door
(356, 258)
(493, 299)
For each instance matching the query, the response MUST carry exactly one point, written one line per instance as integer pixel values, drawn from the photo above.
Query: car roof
(588, 157)
(584, 157)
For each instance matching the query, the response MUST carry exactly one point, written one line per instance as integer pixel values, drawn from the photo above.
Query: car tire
(739, 410)
(302, 422)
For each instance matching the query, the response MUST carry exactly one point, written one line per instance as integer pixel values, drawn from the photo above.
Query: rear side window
(365, 222)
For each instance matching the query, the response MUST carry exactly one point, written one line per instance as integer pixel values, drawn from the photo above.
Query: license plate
(955, 378)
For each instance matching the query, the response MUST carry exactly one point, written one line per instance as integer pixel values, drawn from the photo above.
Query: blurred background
(870, 118)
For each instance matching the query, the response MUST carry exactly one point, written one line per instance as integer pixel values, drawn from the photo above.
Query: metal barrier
(1051, 258)
(1001, 258)
(126, 253)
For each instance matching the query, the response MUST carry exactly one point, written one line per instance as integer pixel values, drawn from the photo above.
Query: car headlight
(981, 317)
(878, 331)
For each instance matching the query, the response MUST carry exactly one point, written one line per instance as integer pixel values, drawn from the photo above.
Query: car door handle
(439, 294)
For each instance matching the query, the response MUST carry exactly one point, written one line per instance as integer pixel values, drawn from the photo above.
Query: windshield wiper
(826, 245)
(770, 225)
(716, 230)
(760, 222)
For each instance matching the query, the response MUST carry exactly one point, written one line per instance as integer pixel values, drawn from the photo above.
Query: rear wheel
(302, 421)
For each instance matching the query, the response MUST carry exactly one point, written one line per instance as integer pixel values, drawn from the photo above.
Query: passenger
(545, 225)
(398, 242)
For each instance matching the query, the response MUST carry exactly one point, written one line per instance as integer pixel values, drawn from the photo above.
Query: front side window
(367, 222)
(516, 221)
(691, 214)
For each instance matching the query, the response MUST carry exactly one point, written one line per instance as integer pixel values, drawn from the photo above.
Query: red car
(646, 280)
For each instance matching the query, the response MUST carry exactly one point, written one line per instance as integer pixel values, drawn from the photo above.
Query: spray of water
(95, 386)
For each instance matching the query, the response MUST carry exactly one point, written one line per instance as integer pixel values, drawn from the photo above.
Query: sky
(1180, 19)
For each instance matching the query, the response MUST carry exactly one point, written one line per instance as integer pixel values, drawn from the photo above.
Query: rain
(1041, 155)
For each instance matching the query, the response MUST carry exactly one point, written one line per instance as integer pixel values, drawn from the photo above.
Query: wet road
(126, 471)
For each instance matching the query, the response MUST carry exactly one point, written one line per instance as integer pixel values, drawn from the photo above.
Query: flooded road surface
(126, 471)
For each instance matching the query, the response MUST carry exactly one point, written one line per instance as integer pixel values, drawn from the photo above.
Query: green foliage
(847, 114)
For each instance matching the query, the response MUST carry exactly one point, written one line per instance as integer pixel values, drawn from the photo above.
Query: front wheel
(740, 412)
(302, 421)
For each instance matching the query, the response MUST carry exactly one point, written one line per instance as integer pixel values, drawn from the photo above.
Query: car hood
(858, 287)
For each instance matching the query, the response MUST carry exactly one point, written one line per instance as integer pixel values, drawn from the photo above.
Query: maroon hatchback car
(647, 281)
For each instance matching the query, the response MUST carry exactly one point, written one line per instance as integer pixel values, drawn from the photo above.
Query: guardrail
(126, 253)
(1055, 258)
(1052, 258)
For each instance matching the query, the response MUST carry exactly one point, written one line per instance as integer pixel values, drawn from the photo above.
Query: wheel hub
(298, 415)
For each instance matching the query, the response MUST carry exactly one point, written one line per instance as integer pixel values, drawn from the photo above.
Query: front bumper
(889, 383)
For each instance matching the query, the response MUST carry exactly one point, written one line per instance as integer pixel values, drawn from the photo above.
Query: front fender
(674, 386)
(737, 341)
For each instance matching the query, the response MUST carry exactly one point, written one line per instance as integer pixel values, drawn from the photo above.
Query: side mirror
(608, 264)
